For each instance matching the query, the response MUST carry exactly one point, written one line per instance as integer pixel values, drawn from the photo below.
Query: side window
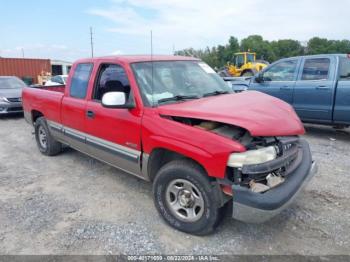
(54, 79)
(111, 78)
(58, 80)
(80, 80)
(316, 69)
(283, 71)
(344, 71)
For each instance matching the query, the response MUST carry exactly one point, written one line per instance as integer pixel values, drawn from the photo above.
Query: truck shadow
(11, 116)
(327, 132)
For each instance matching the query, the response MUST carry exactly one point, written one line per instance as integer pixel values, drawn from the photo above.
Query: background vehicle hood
(260, 114)
(11, 93)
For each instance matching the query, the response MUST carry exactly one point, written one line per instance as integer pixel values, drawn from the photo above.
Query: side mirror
(116, 100)
(259, 78)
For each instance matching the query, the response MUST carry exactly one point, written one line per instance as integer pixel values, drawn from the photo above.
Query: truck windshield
(11, 83)
(173, 81)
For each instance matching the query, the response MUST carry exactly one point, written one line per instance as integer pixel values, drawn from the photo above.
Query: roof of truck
(319, 55)
(139, 58)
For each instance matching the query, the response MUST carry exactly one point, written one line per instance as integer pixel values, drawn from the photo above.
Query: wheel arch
(161, 156)
(251, 70)
(35, 114)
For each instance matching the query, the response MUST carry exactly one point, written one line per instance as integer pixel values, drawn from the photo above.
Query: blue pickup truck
(318, 87)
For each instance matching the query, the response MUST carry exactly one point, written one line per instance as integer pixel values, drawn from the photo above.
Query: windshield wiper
(177, 98)
(215, 93)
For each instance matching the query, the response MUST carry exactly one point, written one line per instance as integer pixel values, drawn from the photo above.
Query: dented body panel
(260, 114)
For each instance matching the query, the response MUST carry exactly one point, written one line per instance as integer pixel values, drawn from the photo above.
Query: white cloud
(199, 23)
(117, 52)
(45, 51)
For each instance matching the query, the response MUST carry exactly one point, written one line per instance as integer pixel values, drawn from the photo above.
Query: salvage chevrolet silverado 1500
(173, 121)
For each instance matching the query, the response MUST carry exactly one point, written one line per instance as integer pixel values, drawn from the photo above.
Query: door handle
(285, 88)
(90, 114)
(322, 88)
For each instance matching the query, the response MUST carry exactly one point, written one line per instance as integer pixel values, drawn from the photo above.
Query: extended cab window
(80, 80)
(112, 78)
(283, 71)
(316, 69)
(344, 71)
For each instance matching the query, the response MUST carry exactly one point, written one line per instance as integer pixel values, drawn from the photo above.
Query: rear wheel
(186, 198)
(46, 143)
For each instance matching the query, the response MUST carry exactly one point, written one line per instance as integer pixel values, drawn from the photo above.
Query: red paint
(260, 114)
(145, 128)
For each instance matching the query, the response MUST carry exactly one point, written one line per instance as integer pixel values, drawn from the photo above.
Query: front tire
(46, 143)
(186, 198)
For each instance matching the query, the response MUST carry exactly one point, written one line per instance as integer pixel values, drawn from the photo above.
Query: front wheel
(186, 198)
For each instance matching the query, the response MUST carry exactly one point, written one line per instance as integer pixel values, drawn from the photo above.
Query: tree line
(218, 56)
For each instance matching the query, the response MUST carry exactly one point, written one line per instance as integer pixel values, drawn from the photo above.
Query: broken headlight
(252, 157)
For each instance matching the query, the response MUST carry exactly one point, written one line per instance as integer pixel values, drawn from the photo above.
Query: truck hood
(11, 93)
(260, 114)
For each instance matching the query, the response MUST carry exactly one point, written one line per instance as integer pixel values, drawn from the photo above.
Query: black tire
(52, 147)
(248, 73)
(211, 195)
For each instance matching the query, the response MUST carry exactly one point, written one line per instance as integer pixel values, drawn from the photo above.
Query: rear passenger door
(314, 90)
(278, 80)
(73, 109)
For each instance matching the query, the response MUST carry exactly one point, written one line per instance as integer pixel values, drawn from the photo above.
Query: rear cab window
(80, 80)
(316, 69)
(344, 69)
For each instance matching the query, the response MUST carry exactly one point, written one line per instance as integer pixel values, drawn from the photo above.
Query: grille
(14, 109)
(15, 99)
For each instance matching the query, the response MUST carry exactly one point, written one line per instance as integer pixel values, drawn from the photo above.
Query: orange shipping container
(25, 67)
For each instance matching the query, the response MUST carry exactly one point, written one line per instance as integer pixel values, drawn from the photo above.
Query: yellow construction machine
(244, 64)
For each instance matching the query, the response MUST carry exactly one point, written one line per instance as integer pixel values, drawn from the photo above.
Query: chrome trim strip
(73, 134)
(109, 163)
(113, 150)
(122, 151)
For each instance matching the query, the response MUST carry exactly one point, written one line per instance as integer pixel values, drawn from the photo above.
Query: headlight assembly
(3, 99)
(252, 157)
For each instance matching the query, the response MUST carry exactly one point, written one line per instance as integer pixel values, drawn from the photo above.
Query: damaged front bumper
(254, 207)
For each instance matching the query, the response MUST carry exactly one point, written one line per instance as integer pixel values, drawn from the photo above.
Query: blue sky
(60, 29)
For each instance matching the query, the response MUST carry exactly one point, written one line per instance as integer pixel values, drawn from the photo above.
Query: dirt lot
(72, 204)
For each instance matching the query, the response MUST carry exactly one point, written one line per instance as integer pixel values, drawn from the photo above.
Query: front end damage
(294, 167)
(266, 177)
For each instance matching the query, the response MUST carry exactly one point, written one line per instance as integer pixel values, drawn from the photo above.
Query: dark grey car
(11, 94)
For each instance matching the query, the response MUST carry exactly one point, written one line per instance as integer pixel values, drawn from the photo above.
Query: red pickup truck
(173, 121)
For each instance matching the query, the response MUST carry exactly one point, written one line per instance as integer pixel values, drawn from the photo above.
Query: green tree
(286, 48)
(257, 44)
(219, 56)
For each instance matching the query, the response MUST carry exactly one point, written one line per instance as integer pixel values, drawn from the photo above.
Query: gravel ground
(72, 204)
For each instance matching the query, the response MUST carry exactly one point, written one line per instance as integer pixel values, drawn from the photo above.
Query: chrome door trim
(63, 134)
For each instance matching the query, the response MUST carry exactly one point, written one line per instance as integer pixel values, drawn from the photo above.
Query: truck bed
(56, 88)
(45, 99)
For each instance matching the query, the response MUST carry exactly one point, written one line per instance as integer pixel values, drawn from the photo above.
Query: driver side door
(113, 134)
(278, 80)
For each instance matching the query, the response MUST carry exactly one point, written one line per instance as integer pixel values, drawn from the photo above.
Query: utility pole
(91, 42)
(22, 52)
